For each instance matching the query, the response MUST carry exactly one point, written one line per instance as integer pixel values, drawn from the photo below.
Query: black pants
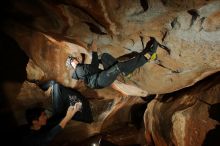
(61, 100)
(112, 68)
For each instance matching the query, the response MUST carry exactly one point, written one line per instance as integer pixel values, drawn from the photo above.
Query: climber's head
(72, 62)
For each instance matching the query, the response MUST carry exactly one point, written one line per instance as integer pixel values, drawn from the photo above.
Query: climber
(40, 130)
(97, 78)
(63, 97)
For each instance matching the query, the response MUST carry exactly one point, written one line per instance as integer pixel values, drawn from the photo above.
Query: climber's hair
(33, 113)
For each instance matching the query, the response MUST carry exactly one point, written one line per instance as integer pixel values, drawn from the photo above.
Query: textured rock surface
(192, 37)
(185, 117)
(49, 30)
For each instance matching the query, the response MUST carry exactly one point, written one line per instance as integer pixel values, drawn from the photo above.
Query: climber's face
(41, 121)
(74, 63)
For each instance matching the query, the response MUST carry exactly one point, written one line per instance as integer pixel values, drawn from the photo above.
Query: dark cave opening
(13, 69)
(144, 4)
(212, 137)
(14, 60)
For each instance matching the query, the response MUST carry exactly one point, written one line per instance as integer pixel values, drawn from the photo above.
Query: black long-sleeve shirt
(88, 72)
(40, 137)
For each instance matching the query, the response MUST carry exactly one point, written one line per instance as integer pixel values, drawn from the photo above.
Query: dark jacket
(41, 137)
(61, 101)
(88, 72)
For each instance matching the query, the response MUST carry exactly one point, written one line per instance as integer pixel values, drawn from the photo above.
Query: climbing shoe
(150, 50)
(149, 44)
(153, 56)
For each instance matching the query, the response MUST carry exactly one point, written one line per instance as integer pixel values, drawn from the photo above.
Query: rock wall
(186, 117)
(191, 35)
